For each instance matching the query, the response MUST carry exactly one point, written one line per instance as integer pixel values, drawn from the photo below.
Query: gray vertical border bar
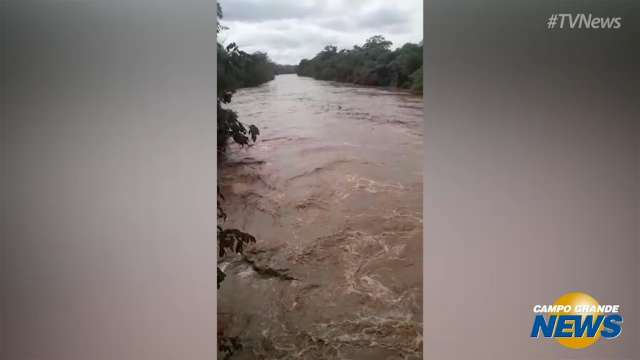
(531, 185)
(108, 149)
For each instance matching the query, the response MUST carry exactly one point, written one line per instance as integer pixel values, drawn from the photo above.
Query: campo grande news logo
(576, 320)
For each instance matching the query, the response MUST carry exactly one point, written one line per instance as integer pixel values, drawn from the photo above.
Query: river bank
(381, 87)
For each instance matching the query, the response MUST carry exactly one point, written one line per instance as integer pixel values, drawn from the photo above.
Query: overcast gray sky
(290, 30)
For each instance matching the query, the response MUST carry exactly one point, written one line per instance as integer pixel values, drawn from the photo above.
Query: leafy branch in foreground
(236, 69)
(229, 240)
(229, 127)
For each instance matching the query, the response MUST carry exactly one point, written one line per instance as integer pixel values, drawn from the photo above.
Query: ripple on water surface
(333, 192)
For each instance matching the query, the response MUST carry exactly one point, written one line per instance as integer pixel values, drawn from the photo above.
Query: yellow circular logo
(578, 301)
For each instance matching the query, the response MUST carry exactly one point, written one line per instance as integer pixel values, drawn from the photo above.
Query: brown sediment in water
(333, 193)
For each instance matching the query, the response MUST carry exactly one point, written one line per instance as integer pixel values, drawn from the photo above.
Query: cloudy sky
(290, 30)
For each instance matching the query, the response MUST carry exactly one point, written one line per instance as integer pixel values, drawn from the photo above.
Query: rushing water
(332, 190)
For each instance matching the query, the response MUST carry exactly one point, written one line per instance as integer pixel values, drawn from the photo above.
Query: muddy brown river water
(332, 190)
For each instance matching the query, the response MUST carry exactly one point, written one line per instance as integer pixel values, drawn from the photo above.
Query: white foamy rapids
(332, 191)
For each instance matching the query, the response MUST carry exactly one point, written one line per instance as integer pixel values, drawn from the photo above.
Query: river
(332, 190)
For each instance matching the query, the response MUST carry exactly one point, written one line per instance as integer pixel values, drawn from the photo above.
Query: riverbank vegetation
(373, 63)
(236, 69)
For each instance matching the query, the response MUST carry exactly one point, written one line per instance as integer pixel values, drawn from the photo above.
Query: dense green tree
(416, 80)
(373, 63)
(238, 69)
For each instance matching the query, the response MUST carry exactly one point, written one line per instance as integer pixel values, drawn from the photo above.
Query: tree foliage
(373, 63)
(229, 127)
(236, 69)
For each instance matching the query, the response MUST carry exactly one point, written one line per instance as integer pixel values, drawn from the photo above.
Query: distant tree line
(285, 69)
(373, 63)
